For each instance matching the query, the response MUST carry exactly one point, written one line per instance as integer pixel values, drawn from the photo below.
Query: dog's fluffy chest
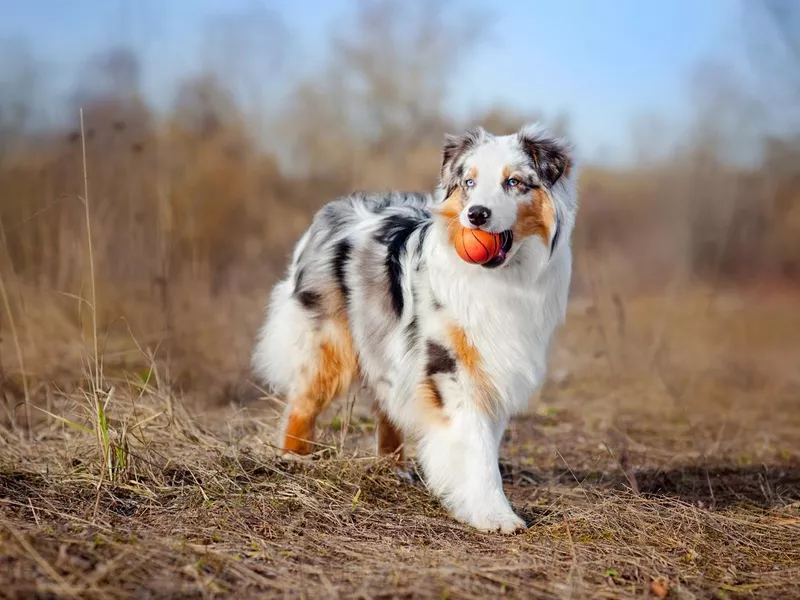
(512, 345)
(509, 324)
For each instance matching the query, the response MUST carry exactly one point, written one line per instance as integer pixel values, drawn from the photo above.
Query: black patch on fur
(550, 159)
(440, 360)
(555, 236)
(308, 299)
(394, 235)
(341, 256)
(456, 145)
(423, 233)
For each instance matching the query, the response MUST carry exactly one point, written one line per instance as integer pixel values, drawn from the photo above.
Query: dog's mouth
(506, 241)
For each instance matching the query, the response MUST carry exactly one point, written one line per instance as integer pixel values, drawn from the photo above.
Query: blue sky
(602, 62)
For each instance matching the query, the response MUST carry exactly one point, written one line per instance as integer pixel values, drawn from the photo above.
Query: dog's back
(339, 230)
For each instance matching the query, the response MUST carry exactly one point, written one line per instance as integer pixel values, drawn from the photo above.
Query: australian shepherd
(376, 295)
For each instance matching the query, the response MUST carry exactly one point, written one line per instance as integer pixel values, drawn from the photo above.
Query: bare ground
(660, 460)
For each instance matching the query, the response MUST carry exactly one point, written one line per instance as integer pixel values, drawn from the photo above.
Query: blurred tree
(381, 95)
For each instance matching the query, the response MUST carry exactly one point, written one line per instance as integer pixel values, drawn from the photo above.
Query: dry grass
(676, 465)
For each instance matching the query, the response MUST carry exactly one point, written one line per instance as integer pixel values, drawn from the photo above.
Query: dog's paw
(512, 525)
(404, 475)
(291, 457)
(505, 522)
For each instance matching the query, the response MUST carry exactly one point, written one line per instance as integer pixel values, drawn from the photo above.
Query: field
(659, 460)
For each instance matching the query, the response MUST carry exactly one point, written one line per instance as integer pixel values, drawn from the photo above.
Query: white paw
(504, 522)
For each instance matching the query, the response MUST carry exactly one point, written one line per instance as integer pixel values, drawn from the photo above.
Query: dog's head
(509, 184)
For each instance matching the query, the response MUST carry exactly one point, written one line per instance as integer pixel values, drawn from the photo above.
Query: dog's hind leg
(329, 373)
(389, 439)
(309, 358)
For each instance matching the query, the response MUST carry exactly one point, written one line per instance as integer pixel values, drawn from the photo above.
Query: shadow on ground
(711, 486)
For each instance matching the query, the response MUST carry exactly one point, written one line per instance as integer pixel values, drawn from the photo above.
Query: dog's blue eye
(512, 182)
(470, 182)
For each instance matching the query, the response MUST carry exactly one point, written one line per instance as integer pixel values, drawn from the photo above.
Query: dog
(376, 295)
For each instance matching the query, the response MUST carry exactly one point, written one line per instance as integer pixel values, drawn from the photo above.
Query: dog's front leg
(460, 462)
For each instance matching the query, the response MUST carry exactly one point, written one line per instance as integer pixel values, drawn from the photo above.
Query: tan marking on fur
(431, 406)
(466, 353)
(535, 217)
(506, 174)
(299, 434)
(468, 356)
(472, 173)
(450, 210)
(335, 369)
(390, 439)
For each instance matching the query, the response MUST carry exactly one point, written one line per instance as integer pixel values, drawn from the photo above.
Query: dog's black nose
(478, 215)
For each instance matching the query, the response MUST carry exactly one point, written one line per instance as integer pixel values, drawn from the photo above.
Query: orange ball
(476, 246)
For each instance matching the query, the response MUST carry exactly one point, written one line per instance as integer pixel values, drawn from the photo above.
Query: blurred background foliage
(196, 201)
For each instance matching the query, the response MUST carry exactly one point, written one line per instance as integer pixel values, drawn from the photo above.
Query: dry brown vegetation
(660, 458)
(679, 467)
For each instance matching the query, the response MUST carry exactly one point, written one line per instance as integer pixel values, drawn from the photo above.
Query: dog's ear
(454, 147)
(551, 158)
